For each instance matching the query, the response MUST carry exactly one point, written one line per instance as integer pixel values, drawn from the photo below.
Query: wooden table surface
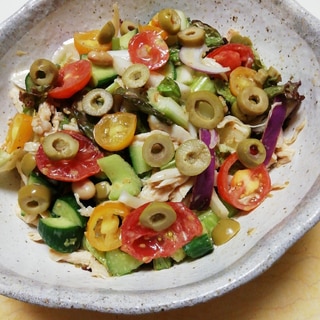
(290, 289)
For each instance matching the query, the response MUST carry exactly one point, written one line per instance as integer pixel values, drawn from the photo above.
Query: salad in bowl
(145, 146)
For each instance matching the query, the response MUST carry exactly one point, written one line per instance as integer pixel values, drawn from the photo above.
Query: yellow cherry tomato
(240, 78)
(20, 131)
(115, 131)
(85, 42)
(103, 231)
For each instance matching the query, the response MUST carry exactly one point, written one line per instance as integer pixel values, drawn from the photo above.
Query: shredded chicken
(35, 236)
(41, 122)
(82, 258)
(165, 185)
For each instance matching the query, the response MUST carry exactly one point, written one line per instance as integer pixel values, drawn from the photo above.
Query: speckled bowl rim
(264, 254)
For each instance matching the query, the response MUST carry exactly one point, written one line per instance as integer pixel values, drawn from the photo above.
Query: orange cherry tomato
(148, 48)
(85, 42)
(72, 78)
(115, 131)
(247, 188)
(20, 131)
(240, 78)
(164, 35)
(103, 231)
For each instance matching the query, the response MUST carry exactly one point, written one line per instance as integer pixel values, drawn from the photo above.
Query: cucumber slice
(168, 70)
(120, 263)
(120, 43)
(168, 107)
(67, 207)
(121, 174)
(199, 246)
(117, 262)
(60, 234)
(64, 230)
(101, 76)
(162, 263)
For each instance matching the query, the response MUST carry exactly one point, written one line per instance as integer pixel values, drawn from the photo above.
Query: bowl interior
(265, 233)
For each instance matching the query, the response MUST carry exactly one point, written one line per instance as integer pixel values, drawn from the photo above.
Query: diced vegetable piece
(209, 220)
(101, 76)
(168, 107)
(204, 183)
(120, 263)
(162, 263)
(64, 230)
(199, 246)
(121, 175)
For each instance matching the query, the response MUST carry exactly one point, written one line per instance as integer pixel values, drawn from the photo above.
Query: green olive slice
(106, 33)
(225, 230)
(251, 152)
(60, 146)
(28, 163)
(158, 216)
(97, 102)
(136, 76)
(205, 109)
(34, 199)
(158, 150)
(192, 157)
(127, 26)
(43, 72)
(169, 20)
(235, 111)
(191, 37)
(253, 101)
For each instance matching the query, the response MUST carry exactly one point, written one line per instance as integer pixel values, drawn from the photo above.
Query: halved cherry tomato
(85, 42)
(240, 78)
(233, 55)
(72, 78)
(19, 132)
(148, 48)
(103, 231)
(115, 131)
(146, 244)
(83, 165)
(247, 188)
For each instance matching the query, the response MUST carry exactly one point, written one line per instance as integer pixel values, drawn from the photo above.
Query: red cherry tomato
(72, 78)
(233, 55)
(148, 48)
(146, 244)
(83, 165)
(247, 188)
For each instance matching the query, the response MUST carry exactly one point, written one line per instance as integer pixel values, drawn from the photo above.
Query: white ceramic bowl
(286, 37)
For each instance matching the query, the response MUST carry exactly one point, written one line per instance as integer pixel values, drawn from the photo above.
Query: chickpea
(84, 188)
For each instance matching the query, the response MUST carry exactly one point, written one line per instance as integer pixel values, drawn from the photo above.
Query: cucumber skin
(199, 246)
(64, 230)
(101, 76)
(65, 240)
(69, 202)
